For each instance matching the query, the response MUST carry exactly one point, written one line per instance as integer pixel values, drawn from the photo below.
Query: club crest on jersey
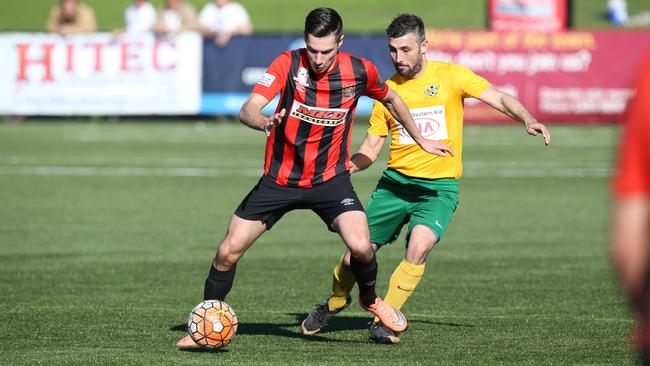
(432, 90)
(302, 79)
(348, 91)
(318, 116)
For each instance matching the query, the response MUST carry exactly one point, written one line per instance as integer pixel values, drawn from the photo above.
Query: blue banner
(230, 72)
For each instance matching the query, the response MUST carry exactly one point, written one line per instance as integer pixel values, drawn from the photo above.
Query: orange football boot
(391, 317)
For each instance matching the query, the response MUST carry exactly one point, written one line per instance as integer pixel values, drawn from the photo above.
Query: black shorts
(268, 201)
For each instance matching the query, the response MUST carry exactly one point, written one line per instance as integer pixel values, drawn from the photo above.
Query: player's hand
(536, 128)
(222, 39)
(436, 148)
(272, 121)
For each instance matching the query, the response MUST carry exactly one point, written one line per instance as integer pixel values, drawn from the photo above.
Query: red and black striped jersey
(312, 143)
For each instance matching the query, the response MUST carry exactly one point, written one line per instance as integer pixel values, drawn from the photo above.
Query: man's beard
(411, 71)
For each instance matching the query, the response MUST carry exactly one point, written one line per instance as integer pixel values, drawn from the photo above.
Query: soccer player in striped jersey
(417, 188)
(307, 158)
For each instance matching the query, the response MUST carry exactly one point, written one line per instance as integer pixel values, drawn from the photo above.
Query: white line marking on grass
(139, 171)
(528, 173)
(128, 171)
(174, 162)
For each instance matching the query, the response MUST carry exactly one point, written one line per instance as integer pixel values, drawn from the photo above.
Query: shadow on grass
(446, 324)
(204, 350)
(343, 323)
(292, 330)
(287, 330)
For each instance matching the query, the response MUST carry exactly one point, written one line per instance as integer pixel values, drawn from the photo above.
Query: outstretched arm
(367, 153)
(400, 112)
(512, 107)
(251, 114)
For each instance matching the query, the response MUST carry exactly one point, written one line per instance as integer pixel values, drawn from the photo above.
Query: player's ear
(423, 47)
(340, 41)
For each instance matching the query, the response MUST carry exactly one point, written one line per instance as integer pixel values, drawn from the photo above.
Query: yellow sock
(402, 283)
(342, 283)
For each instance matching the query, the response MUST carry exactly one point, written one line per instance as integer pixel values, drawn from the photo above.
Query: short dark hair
(404, 24)
(322, 22)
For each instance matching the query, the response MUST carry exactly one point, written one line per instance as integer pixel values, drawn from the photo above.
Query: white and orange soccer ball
(212, 324)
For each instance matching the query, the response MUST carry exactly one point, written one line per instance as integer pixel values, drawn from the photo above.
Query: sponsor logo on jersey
(266, 79)
(318, 116)
(302, 79)
(348, 91)
(432, 90)
(430, 121)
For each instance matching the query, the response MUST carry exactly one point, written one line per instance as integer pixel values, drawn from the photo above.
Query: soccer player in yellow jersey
(416, 188)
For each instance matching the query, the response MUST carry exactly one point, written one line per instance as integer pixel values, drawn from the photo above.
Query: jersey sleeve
(274, 78)
(376, 87)
(632, 176)
(468, 84)
(379, 120)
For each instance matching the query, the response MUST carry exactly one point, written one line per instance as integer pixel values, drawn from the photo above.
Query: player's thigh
(241, 235)
(353, 229)
(387, 213)
(434, 212)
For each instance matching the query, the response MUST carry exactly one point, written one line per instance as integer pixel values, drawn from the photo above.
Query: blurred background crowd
(218, 19)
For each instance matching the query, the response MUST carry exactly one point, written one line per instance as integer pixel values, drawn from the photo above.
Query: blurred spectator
(70, 17)
(140, 17)
(617, 12)
(630, 239)
(175, 17)
(223, 19)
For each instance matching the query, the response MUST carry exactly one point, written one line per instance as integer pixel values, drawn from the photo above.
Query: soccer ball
(212, 324)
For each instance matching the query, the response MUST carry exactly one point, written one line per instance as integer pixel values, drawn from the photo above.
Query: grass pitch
(107, 231)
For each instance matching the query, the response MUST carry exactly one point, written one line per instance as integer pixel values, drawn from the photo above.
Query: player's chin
(404, 71)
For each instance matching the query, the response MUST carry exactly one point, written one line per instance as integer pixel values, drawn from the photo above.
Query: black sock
(366, 275)
(218, 284)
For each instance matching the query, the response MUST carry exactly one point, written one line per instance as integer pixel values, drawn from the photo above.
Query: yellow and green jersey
(435, 100)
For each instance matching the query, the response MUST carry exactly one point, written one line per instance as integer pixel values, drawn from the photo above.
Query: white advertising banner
(99, 74)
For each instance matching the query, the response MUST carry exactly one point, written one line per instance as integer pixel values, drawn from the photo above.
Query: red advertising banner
(560, 77)
(528, 15)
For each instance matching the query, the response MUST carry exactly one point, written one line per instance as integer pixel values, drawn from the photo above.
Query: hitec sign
(98, 74)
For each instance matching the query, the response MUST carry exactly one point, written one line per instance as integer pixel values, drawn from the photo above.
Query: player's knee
(225, 261)
(418, 252)
(359, 242)
(228, 255)
(362, 253)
